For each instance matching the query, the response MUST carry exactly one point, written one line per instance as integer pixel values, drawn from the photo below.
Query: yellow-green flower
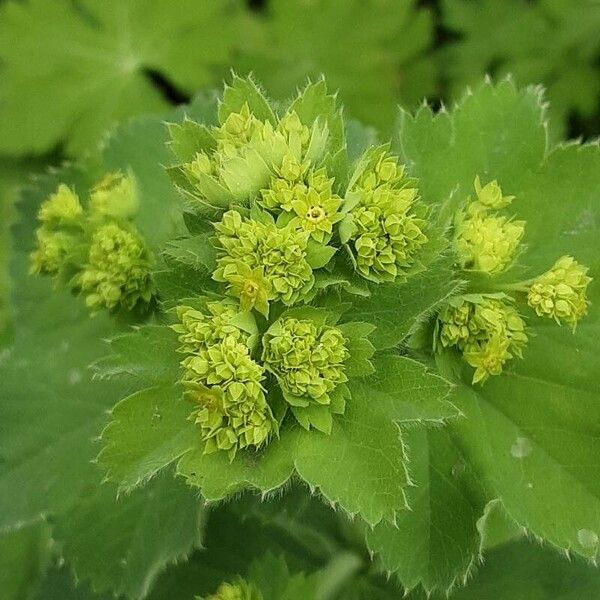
(237, 130)
(487, 358)
(489, 196)
(308, 360)
(279, 252)
(116, 196)
(487, 243)
(61, 209)
(560, 293)
(249, 285)
(117, 271)
(241, 590)
(53, 251)
(382, 225)
(199, 330)
(488, 331)
(222, 379)
(484, 240)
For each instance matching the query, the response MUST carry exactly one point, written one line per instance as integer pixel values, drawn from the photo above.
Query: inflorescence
(487, 328)
(289, 219)
(97, 252)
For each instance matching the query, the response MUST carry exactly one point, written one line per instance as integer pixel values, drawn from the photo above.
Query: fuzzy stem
(337, 573)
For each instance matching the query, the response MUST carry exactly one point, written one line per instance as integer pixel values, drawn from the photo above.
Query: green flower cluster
(243, 152)
(306, 195)
(241, 590)
(560, 293)
(262, 262)
(97, 252)
(307, 360)
(487, 330)
(484, 240)
(382, 225)
(117, 271)
(221, 377)
(486, 327)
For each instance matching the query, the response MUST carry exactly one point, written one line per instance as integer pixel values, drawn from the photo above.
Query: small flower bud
(280, 252)
(236, 591)
(487, 330)
(52, 253)
(307, 360)
(116, 196)
(61, 209)
(560, 293)
(117, 271)
(490, 196)
(487, 243)
(385, 231)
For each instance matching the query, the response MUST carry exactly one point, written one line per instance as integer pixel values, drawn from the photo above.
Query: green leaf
(318, 255)
(188, 138)
(551, 43)
(397, 308)
(52, 410)
(527, 571)
(138, 443)
(131, 356)
(272, 577)
(122, 544)
(24, 557)
(393, 67)
(243, 90)
(365, 471)
(314, 103)
(436, 543)
(148, 431)
(495, 131)
(71, 70)
(197, 252)
(529, 433)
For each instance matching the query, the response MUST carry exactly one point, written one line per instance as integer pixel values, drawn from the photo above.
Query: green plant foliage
(72, 69)
(122, 544)
(397, 421)
(552, 42)
(527, 432)
(24, 557)
(53, 411)
(389, 64)
(261, 416)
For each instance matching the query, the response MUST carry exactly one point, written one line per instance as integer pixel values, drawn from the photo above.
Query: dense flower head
(386, 233)
(560, 293)
(307, 195)
(241, 590)
(96, 251)
(484, 240)
(307, 359)
(488, 243)
(52, 252)
(115, 196)
(117, 270)
(198, 329)
(221, 377)
(61, 209)
(279, 252)
(487, 330)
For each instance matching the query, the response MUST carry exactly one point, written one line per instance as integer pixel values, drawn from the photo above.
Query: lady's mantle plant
(299, 314)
